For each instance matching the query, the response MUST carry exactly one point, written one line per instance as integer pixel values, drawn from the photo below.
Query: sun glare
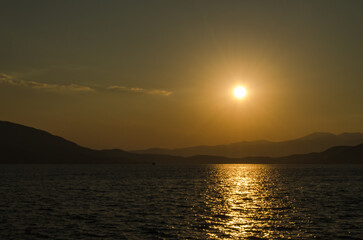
(239, 92)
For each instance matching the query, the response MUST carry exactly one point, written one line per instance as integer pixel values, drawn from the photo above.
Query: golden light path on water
(247, 202)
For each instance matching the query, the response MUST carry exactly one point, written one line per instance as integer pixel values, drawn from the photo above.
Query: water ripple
(181, 202)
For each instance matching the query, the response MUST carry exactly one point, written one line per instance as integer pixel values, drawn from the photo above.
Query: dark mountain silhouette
(337, 155)
(334, 155)
(315, 142)
(21, 144)
(25, 145)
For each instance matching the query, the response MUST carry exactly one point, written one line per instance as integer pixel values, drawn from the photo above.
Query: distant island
(20, 144)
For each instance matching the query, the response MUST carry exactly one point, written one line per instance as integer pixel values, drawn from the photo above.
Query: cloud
(5, 78)
(11, 80)
(141, 90)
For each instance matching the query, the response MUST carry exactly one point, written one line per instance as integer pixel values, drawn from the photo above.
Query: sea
(181, 202)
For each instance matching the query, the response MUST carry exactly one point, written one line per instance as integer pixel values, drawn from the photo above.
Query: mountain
(25, 145)
(334, 155)
(315, 142)
(21, 144)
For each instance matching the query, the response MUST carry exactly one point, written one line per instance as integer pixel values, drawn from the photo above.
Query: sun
(239, 92)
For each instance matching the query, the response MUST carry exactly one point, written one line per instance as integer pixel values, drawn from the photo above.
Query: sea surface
(181, 202)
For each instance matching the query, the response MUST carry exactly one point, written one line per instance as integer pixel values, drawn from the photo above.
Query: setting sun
(239, 92)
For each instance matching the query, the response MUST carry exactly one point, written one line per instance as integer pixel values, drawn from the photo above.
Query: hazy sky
(139, 74)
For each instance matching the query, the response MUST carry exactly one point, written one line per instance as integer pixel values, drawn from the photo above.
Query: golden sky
(140, 74)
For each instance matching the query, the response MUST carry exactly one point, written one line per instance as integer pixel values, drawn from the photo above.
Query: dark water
(181, 202)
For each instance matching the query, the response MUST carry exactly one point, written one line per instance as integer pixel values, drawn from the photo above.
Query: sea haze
(181, 201)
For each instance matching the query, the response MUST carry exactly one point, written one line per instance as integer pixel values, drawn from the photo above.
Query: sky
(141, 74)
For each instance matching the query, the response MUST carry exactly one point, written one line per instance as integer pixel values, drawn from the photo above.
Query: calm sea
(181, 202)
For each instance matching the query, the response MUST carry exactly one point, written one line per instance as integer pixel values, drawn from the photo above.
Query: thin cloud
(5, 78)
(141, 90)
(10, 80)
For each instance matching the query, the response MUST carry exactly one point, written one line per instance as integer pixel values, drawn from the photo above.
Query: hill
(25, 145)
(22, 144)
(316, 142)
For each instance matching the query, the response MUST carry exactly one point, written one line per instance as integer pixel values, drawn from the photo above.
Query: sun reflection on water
(246, 202)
